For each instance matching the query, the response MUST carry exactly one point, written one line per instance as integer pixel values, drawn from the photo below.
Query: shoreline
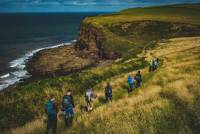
(21, 75)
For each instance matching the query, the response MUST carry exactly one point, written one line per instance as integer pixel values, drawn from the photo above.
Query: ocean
(24, 34)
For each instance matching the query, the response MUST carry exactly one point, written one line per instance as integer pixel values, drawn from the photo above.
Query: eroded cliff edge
(98, 42)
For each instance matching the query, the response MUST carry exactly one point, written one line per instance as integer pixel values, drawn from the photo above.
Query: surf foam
(19, 65)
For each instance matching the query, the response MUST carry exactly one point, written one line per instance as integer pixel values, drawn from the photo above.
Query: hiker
(51, 108)
(150, 65)
(130, 83)
(88, 98)
(156, 62)
(108, 92)
(138, 78)
(68, 107)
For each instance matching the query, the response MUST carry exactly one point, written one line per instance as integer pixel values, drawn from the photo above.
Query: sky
(80, 5)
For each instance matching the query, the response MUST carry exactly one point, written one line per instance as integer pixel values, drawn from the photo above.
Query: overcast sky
(80, 5)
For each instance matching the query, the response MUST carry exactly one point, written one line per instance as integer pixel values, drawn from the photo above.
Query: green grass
(155, 108)
(127, 31)
(27, 101)
(163, 13)
(167, 102)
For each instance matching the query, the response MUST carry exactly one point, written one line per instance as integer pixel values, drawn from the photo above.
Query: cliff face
(91, 43)
(111, 41)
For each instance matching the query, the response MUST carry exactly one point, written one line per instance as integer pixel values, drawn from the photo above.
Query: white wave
(73, 41)
(5, 76)
(20, 74)
(19, 65)
(6, 83)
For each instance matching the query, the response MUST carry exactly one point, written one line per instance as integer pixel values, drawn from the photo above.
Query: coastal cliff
(91, 42)
(99, 42)
(130, 34)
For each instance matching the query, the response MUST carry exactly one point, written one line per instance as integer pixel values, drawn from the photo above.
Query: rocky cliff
(91, 42)
(111, 41)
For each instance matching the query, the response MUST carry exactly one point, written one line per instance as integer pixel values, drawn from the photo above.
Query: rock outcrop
(91, 43)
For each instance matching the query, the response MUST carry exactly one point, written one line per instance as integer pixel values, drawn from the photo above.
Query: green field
(141, 27)
(167, 102)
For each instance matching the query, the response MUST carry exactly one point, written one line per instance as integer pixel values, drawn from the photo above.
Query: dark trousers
(89, 102)
(154, 67)
(69, 121)
(130, 88)
(108, 98)
(69, 116)
(138, 83)
(51, 124)
(150, 69)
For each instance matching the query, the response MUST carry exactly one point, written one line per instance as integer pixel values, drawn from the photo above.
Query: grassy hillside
(133, 28)
(167, 101)
(174, 13)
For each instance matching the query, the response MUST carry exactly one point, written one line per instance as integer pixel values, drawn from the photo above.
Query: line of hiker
(51, 108)
(134, 82)
(153, 64)
(68, 107)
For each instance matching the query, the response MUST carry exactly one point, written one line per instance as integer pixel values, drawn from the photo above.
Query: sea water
(24, 34)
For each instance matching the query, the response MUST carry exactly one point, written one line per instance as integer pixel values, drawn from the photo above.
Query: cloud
(81, 5)
(87, 2)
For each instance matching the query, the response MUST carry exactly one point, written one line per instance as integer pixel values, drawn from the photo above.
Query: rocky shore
(87, 52)
(58, 61)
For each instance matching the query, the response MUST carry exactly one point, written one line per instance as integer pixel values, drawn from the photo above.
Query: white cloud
(77, 3)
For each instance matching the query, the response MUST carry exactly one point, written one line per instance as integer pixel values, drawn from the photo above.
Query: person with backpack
(130, 83)
(150, 65)
(88, 98)
(156, 63)
(108, 92)
(68, 107)
(138, 78)
(51, 108)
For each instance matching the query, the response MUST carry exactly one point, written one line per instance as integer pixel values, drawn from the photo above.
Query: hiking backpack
(88, 96)
(109, 91)
(67, 101)
(49, 106)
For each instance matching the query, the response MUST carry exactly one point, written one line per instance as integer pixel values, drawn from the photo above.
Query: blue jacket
(50, 108)
(130, 80)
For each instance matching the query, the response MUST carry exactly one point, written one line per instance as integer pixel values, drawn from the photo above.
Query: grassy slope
(180, 14)
(28, 99)
(168, 101)
(185, 14)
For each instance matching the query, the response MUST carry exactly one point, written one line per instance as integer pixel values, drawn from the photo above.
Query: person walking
(130, 83)
(150, 65)
(51, 108)
(88, 98)
(108, 92)
(68, 107)
(156, 63)
(138, 78)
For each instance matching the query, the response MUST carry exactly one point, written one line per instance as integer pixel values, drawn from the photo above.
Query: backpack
(49, 106)
(130, 80)
(67, 101)
(138, 78)
(88, 96)
(109, 91)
